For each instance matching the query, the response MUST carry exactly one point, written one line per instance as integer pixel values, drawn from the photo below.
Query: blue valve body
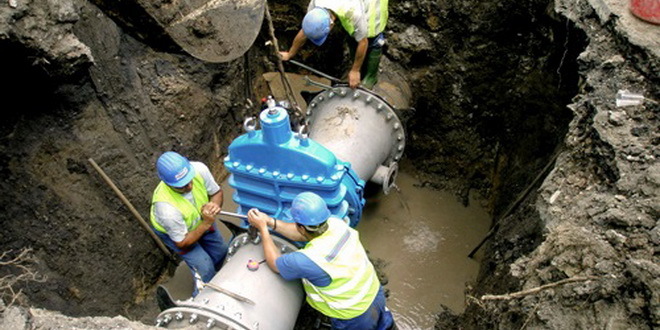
(269, 167)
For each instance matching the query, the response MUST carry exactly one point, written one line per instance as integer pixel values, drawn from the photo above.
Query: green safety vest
(191, 213)
(344, 14)
(354, 284)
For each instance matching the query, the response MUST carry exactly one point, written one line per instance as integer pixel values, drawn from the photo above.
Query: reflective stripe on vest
(354, 281)
(377, 14)
(191, 213)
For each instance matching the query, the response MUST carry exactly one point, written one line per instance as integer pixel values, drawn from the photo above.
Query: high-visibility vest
(377, 14)
(374, 11)
(354, 284)
(191, 213)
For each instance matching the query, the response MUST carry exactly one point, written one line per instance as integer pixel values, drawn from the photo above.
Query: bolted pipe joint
(386, 176)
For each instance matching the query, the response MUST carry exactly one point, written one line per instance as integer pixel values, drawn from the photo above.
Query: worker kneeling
(183, 210)
(338, 277)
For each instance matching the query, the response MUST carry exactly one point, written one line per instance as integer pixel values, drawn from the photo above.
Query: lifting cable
(280, 67)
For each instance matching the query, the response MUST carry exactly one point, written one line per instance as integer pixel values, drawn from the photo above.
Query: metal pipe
(385, 176)
(311, 82)
(361, 128)
(235, 215)
(244, 294)
(324, 75)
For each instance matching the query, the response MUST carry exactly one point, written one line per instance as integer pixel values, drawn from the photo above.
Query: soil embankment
(77, 86)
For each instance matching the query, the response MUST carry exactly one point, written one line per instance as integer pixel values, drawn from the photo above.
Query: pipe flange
(183, 317)
(379, 105)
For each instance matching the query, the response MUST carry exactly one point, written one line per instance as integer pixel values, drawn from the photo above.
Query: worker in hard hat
(365, 21)
(183, 209)
(337, 276)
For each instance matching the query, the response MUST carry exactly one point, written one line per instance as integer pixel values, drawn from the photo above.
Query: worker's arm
(260, 221)
(209, 210)
(214, 206)
(286, 229)
(298, 42)
(193, 236)
(360, 54)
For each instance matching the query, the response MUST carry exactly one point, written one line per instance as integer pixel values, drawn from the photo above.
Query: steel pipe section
(360, 128)
(244, 294)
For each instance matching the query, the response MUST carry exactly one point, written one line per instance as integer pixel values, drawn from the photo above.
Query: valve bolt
(210, 324)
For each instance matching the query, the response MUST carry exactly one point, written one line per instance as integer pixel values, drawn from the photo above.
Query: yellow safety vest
(354, 284)
(377, 14)
(191, 213)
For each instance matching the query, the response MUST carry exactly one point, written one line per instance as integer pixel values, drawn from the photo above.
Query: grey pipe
(239, 298)
(361, 128)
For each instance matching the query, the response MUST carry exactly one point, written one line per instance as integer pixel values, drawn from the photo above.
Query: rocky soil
(501, 90)
(76, 87)
(598, 209)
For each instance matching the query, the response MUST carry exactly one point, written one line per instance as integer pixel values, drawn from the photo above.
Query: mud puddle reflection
(424, 237)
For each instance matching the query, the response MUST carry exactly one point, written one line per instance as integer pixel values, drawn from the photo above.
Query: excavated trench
(491, 84)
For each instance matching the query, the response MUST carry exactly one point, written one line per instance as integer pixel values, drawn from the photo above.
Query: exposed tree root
(24, 273)
(538, 289)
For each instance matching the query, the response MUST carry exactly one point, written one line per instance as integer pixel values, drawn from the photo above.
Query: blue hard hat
(316, 25)
(309, 209)
(174, 169)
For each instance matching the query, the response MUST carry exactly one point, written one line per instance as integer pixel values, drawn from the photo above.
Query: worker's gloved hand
(285, 56)
(354, 78)
(258, 219)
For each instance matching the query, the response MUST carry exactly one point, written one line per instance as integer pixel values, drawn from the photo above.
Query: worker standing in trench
(337, 276)
(183, 210)
(364, 20)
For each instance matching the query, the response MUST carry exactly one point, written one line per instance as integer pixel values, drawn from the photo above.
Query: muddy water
(422, 235)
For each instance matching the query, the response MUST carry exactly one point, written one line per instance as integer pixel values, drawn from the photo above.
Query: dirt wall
(597, 210)
(81, 87)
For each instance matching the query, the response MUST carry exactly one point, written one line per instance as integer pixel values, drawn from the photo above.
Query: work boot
(372, 62)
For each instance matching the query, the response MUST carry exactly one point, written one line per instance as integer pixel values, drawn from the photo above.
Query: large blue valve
(269, 167)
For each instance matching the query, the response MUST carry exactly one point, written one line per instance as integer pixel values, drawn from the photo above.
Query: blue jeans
(206, 256)
(376, 317)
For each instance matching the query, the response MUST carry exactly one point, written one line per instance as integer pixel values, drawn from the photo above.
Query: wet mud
(423, 236)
